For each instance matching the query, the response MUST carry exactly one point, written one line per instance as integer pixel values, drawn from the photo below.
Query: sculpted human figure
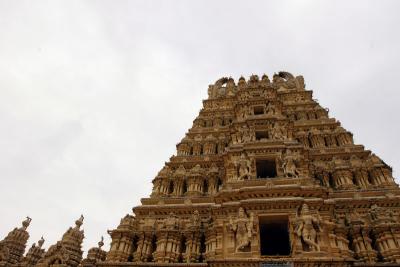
(278, 132)
(170, 223)
(244, 168)
(234, 138)
(270, 109)
(245, 133)
(194, 221)
(242, 227)
(307, 227)
(289, 165)
(149, 221)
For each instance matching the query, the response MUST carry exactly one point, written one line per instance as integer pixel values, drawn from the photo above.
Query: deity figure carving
(269, 93)
(270, 109)
(278, 132)
(243, 112)
(377, 213)
(194, 221)
(321, 173)
(289, 165)
(242, 135)
(170, 223)
(243, 167)
(148, 222)
(306, 229)
(243, 228)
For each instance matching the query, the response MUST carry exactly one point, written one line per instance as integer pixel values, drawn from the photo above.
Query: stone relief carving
(243, 168)
(307, 228)
(242, 227)
(289, 164)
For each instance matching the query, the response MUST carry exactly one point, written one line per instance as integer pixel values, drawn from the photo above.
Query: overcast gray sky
(94, 95)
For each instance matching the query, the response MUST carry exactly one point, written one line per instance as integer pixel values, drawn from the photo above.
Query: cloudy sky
(94, 95)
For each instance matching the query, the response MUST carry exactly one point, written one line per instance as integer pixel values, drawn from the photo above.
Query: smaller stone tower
(13, 246)
(67, 251)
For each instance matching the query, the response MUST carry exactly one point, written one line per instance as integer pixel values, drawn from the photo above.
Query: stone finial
(101, 243)
(41, 241)
(79, 222)
(26, 223)
(241, 81)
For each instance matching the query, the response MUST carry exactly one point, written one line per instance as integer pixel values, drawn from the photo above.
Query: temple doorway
(274, 236)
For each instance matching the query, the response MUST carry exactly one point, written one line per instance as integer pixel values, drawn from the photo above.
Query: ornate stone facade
(264, 176)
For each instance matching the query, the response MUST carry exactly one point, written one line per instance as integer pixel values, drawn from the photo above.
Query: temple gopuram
(263, 178)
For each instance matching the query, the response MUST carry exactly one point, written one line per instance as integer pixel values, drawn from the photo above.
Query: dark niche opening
(265, 168)
(258, 110)
(261, 135)
(171, 187)
(274, 236)
(153, 248)
(182, 249)
(184, 187)
(205, 187)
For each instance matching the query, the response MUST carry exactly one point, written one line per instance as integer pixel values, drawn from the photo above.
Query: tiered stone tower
(264, 177)
(13, 246)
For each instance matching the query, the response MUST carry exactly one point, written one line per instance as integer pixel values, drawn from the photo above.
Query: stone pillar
(195, 186)
(331, 239)
(343, 179)
(168, 243)
(178, 187)
(361, 177)
(183, 149)
(387, 173)
(330, 140)
(316, 139)
(362, 243)
(386, 242)
(192, 253)
(381, 176)
(197, 149)
(122, 240)
(303, 138)
(164, 187)
(343, 137)
(343, 242)
(144, 247)
(209, 148)
(211, 243)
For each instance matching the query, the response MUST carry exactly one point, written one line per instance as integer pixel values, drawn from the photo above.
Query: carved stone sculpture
(307, 228)
(242, 227)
